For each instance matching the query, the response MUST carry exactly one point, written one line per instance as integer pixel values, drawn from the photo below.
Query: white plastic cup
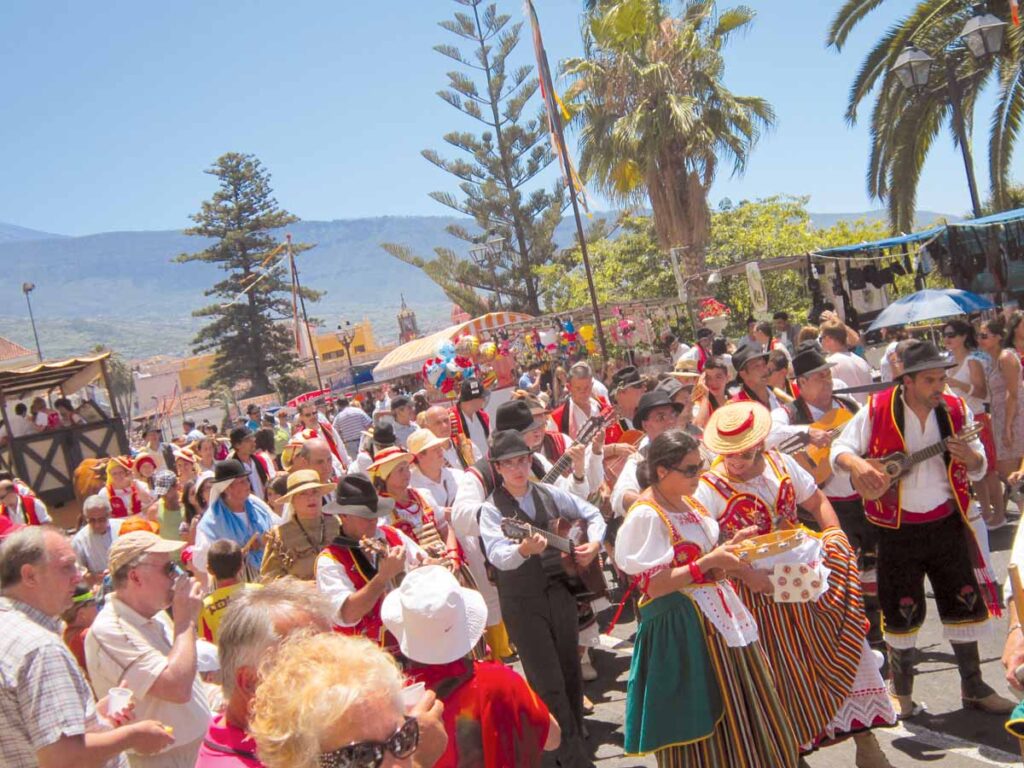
(118, 700)
(412, 694)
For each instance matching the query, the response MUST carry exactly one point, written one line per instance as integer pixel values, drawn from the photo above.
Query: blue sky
(110, 111)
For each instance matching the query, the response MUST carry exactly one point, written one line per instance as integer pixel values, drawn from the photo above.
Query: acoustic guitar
(559, 559)
(812, 458)
(897, 464)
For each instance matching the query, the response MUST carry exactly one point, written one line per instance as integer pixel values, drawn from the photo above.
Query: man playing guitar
(922, 520)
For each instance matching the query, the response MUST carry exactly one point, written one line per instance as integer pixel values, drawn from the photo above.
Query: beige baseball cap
(126, 548)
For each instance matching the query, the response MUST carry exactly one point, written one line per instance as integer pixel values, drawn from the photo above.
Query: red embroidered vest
(117, 505)
(745, 509)
(887, 437)
(370, 626)
(28, 506)
(561, 417)
(425, 512)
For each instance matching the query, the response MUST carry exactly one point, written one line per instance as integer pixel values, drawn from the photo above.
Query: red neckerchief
(117, 507)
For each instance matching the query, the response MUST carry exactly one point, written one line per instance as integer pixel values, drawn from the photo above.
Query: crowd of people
(353, 587)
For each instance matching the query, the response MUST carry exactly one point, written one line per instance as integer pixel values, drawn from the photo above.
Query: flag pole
(305, 317)
(556, 124)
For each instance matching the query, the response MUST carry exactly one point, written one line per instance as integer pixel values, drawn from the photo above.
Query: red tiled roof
(10, 350)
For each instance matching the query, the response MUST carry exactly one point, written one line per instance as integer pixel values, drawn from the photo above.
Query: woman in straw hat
(818, 647)
(291, 547)
(700, 690)
(413, 515)
(492, 716)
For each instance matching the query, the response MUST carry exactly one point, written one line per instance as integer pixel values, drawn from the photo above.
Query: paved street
(946, 735)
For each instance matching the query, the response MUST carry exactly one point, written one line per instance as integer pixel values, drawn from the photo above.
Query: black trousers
(939, 550)
(863, 535)
(544, 630)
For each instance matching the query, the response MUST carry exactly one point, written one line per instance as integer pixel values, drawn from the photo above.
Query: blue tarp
(917, 237)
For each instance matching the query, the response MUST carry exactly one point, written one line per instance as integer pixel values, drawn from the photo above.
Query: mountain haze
(124, 290)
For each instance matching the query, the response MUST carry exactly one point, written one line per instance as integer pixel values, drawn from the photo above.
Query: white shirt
(451, 455)
(17, 513)
(402, 432)
(93, 549)
(577, 417)
(643, 544)
(838, 485)
(926, 485)
(600, 389)
(852, 369)
(440, 494)
(625, 483)
(20, 426)
(125, 495)
(333, 582)
(254, 476)
(475, 430)
(124, 645)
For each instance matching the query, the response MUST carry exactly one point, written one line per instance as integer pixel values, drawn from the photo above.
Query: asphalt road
(945, 735)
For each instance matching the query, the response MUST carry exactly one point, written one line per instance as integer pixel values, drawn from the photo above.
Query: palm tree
(904, 124)
(654, 117)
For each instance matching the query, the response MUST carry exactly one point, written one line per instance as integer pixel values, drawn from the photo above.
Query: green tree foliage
(629, 264)
(246, 333)
(905, 125)
(494, 167)
(655, 118)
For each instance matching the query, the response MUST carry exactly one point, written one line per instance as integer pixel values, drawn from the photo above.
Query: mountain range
(123, 289)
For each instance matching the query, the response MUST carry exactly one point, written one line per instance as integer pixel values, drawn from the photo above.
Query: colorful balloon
(467, 345)
(488, 351)
(446, 350)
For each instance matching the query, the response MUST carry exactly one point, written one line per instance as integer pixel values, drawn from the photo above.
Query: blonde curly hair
(309, 686)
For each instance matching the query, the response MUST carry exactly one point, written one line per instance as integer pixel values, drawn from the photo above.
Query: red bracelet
(695, 573)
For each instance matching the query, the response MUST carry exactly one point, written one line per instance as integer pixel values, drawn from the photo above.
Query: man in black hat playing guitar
(911, 453)
(538, 609)
(796, 425)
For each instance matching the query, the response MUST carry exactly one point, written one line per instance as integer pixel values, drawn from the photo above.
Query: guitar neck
(564, 462)
(936, 448)
(553, 539)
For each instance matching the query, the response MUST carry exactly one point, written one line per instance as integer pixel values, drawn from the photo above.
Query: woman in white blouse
(700, 689)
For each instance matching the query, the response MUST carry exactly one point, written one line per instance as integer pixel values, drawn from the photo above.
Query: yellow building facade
(328, 347)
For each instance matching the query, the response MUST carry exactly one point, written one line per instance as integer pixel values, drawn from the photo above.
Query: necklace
(318, 546)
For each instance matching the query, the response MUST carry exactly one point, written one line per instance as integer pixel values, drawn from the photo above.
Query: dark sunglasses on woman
(370, 754)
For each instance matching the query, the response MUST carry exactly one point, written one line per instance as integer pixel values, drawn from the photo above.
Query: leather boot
(869, 752)
(974, 692)
(901, 681)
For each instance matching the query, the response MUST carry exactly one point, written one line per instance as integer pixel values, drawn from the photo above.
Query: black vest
(530, 579)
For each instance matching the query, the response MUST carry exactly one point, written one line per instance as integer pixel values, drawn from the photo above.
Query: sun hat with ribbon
(385, 462)
(124, 462)
(735, 427)
(305, 480)
(435, 620)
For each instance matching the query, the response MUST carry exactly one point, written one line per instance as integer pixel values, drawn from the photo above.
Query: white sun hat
(434, 619)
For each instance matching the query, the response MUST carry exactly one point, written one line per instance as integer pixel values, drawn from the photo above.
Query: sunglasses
(689, 470)
(171, 570)
(370, 754)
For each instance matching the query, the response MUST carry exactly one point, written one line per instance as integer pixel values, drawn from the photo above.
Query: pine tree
(515, 225)
(246, 333)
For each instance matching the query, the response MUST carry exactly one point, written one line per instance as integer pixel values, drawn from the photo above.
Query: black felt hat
(508, 444)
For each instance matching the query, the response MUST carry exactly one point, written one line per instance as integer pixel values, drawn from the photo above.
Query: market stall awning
(885, 243)
(72, 374)
(408, 359)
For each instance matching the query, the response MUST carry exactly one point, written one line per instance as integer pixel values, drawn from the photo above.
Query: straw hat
(434, 619)
(384, 462)
(735, 427)
(423, 440)
(305, 480)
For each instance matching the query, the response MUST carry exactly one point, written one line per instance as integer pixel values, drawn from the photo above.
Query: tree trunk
(681, 216)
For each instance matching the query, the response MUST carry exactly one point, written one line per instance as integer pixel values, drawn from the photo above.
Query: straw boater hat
(735, 427)
(434, 619)
(686, 370)
(423, 440)
(385, 462)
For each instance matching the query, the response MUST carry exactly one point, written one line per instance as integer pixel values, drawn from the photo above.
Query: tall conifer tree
(246, 331)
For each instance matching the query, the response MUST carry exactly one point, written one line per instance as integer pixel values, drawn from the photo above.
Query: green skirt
(673, 695)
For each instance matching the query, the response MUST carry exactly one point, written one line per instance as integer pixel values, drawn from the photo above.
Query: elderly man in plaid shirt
(49, 715)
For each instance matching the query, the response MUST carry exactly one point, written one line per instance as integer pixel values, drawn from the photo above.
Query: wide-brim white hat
(435, 620)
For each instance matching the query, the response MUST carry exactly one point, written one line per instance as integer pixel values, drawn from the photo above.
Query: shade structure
(930, 304)
(408, 359)
(72, 374)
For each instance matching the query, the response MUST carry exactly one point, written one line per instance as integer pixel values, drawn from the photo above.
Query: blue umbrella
(930, 304)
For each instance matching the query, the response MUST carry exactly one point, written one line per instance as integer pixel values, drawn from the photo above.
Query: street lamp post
(982, 35)
(27, 288)
(346, 336)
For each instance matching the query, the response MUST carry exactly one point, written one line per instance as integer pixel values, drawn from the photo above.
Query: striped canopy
(408, 359)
